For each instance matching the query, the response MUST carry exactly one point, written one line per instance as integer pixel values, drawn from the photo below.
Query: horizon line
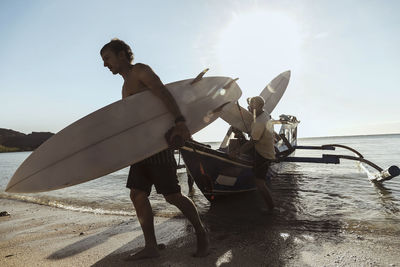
(332, 136)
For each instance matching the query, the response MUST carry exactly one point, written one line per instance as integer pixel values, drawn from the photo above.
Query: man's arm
(257, 130)
(153, 82)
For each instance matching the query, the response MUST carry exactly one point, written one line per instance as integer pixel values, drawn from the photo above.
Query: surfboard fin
(229, 84)
(219, 109)
(200, 76)
(214, 112)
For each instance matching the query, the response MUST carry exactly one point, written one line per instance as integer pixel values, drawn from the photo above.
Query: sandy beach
(38, 235)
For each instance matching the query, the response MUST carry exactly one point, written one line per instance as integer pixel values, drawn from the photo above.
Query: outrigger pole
(381, 176)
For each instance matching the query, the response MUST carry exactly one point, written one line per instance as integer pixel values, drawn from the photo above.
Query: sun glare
(258, 45)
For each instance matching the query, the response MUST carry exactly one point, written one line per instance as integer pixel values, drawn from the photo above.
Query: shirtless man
(159, 169)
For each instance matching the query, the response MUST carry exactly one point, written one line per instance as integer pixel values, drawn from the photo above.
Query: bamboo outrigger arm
(381, 176)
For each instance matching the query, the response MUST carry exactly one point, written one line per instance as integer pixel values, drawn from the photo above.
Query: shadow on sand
(91, 241)
(240, 233)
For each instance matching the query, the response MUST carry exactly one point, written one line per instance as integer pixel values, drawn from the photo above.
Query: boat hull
(215, 173)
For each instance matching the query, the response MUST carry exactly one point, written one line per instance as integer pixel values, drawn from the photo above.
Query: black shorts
(143, 175)
(261, 166)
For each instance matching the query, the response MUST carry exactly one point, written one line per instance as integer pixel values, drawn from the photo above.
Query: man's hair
(256, 102)
(116, 45)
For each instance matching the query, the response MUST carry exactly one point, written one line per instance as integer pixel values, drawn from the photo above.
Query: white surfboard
(237, 116)
(119, 135)
(274, 91)
(241, 118)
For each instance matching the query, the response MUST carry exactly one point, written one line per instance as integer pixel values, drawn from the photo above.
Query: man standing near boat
(159, 169)
(262, 142)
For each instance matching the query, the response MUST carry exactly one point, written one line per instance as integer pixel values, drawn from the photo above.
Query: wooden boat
(217, 174)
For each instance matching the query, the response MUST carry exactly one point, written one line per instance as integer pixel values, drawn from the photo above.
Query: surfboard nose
(286, 74)
(9, 188)
(12, 187)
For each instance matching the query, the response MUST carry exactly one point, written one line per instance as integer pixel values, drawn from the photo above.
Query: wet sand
(241, 235)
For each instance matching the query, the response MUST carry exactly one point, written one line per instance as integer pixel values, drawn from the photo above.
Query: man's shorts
(143, 175)
(261, 166)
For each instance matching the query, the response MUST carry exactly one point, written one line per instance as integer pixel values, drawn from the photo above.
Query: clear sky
(344, 57)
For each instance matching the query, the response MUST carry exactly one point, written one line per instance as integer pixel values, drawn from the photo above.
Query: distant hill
(11, 140)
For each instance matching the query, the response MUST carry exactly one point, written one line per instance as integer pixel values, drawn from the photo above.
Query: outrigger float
(217, 174)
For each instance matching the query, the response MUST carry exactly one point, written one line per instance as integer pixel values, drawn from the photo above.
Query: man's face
(111, 61)
(250, 107)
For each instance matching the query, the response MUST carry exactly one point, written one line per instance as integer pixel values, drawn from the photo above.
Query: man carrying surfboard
(262, 141)
(159, 169)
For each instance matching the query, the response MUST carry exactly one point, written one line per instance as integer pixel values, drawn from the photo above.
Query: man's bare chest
(131, 87)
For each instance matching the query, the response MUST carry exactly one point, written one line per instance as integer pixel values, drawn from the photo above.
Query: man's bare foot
(146, 253)
(203, 245)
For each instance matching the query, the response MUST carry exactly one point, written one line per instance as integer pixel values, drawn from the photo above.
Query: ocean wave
(57, 203)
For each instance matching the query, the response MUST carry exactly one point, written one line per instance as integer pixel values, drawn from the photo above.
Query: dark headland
(13, 141)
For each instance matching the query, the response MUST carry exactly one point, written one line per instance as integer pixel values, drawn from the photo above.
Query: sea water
(306, 192)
